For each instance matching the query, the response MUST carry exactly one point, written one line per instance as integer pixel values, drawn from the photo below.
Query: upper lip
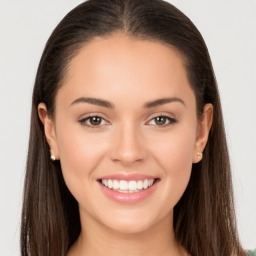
(127, 176)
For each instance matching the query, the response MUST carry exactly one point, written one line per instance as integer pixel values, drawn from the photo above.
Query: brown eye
(160, 120)
(92, 121)
(95, 120)
(163, 120)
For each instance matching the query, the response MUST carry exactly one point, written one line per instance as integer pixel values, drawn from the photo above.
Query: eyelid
(163, 114)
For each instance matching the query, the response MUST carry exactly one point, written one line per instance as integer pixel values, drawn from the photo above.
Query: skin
(128, 73)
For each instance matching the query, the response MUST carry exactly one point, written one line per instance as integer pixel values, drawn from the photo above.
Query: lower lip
(128, 198)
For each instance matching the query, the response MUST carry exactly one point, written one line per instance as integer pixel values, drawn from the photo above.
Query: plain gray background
(228, 27)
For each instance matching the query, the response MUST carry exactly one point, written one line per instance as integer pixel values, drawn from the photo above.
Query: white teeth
(110, 184)
(127, 186)
(115, 184)
(145, 184)
(132, 185)
(139, 184)
(123, 185)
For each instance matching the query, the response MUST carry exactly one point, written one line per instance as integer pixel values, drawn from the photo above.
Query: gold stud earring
(53, 158)
(199, 155)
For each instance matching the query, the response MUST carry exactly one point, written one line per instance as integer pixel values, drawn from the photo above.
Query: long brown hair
(204, 218)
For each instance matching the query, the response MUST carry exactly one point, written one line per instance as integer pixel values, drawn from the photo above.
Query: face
(132, 137)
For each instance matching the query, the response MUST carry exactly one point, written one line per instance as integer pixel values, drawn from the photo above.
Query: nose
(128, 146)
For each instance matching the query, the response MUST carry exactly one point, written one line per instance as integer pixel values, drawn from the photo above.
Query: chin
(126, 228)
(129, 223)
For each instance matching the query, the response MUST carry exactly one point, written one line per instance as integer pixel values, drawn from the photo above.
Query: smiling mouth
(131, 186)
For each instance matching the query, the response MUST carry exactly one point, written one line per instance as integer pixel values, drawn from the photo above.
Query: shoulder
(252, 253)
(248, 253)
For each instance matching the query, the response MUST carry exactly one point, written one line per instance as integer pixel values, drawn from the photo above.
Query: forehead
(126, 68)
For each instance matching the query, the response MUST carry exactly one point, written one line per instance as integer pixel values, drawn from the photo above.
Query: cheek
(175, 154)
(80, 154)
(176, 148)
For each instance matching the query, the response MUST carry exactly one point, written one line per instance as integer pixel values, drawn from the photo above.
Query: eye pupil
(160, 120)
(95, 120)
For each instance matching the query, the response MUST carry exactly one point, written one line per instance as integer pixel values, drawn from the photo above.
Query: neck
(96, 239)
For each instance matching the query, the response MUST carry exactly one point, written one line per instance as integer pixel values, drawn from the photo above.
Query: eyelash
(170, 119)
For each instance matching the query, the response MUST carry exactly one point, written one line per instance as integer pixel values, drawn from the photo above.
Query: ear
(203, 129)
(49, 129)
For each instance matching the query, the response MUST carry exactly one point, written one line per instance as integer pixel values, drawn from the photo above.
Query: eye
(96, 121)
(161, 120)
(92, 121)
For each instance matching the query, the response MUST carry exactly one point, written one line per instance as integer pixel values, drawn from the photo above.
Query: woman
(126, 102)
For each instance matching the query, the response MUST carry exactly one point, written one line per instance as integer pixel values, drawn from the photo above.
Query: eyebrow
(107, 104)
